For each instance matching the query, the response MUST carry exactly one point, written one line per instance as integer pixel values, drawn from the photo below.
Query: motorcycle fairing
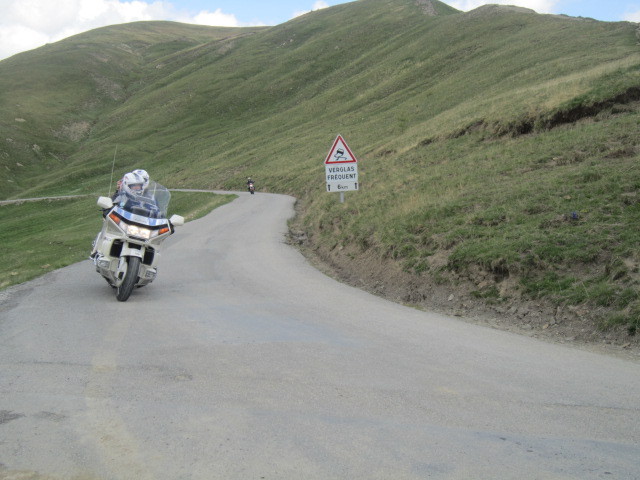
(140, 219)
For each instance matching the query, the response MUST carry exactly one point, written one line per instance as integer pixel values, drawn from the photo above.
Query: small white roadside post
(341, 168)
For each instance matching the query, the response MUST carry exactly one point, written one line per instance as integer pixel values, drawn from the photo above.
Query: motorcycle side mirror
(105, 202)
(177, 220)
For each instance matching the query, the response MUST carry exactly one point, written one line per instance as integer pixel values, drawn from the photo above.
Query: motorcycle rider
(133, 193)
(132, 185)
(144, 175)
(138, 171)
(249, 182)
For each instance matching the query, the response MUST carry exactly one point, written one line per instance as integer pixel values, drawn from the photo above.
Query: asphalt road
(241, 361)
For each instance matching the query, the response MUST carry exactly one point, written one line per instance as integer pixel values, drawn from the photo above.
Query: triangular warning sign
(340, 153)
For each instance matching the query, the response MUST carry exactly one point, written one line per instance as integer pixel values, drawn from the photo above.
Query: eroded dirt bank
(571, 325)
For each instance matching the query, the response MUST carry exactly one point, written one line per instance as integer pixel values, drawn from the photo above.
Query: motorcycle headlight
(140, 232)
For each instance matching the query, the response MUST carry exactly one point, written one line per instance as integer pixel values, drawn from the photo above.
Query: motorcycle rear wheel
(130, 278)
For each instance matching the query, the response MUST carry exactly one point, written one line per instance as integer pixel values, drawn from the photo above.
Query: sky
(28, 24)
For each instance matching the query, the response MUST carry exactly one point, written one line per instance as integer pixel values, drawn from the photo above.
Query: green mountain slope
(497, 148)
(53, 97)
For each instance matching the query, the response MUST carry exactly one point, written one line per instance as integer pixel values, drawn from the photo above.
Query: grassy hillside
(497, 148)
(52, 98)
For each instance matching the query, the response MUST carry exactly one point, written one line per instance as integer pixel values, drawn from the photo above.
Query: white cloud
(632, 17)
(28, 24)
(214, 18)
(540, 6)
(16, 38)
(316, 6)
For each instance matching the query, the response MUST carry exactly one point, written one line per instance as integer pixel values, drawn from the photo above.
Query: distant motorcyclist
(250, 185)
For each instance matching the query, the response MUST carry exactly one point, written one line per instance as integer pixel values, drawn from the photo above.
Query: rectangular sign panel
(341, 177)
(341, 168)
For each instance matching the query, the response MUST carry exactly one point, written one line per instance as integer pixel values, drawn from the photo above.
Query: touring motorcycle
(127, 249)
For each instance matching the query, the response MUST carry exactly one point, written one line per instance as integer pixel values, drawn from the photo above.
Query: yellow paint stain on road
(114, 442)
(447, 391)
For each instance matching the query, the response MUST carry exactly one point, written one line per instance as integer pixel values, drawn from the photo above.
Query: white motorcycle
(127, 249)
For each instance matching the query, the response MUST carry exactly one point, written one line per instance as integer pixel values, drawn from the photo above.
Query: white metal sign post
(341, 168)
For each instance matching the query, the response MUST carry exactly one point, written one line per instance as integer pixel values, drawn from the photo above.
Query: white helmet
(133, 184)
(144, 175)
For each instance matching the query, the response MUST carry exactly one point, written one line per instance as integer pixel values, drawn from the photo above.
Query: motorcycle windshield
(151, 204)
(159, 194)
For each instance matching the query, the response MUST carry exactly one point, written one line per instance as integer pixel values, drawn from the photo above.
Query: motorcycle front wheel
(129, 281)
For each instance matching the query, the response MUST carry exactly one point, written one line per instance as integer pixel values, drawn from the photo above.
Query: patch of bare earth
(74, 131)
(427, 7)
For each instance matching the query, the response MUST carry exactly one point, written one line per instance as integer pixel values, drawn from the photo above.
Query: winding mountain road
(242, 361)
